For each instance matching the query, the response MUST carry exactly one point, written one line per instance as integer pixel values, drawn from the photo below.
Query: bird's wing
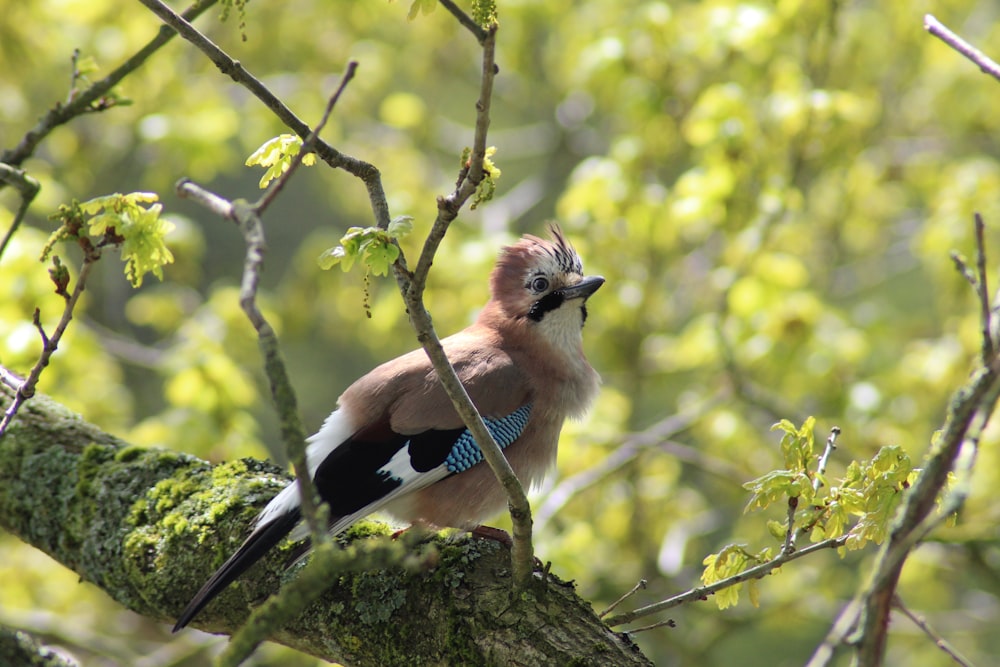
(407, 392)
(412, 435)
(395, 432)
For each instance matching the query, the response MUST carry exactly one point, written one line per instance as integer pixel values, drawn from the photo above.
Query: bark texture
(149, 526)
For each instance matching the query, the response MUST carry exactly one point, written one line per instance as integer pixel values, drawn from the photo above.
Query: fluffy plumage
(396, 443)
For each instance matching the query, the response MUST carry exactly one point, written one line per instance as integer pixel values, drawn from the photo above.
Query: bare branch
(938, 29)
(702, 592)
(635, 589)
(308, 145)
(412, 288)
(656, 437)
(93, 99)
(27, 187)
(368, 174)
(26, 389)
(292, 433)
(925, 627)
(983, 291)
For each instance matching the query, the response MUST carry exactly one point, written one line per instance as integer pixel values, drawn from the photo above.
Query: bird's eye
(539, 284)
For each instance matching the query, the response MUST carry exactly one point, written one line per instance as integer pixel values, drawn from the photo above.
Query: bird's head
(540, 284)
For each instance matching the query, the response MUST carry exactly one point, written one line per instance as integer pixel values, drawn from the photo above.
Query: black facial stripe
(550, 301)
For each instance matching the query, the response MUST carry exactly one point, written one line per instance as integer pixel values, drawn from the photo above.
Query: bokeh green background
(771, 189)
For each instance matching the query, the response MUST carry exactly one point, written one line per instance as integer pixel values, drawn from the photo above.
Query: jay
(395, 443)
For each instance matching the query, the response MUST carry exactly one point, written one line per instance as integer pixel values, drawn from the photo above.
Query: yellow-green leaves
(376, 247)
(860, 505)
(729, 562)
(488, 186)
(796, 443)
(794, 480)
(418, 7)
(276, 156)
(124, 220)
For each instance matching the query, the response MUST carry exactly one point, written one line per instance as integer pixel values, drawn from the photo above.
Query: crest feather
(516, 261)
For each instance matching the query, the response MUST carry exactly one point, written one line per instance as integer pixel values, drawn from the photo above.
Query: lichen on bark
(149, 526)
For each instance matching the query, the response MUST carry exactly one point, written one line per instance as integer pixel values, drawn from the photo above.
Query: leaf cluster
(860, 504)
(377, 248)
(276, 156)
(120, 220)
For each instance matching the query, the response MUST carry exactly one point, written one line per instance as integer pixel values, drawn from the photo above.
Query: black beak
(584, 288)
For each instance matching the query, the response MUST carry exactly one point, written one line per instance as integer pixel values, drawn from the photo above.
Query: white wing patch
(283, 503)
(335, 430)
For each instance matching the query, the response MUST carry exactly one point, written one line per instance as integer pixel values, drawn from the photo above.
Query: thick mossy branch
(149, 525)
(19, 648)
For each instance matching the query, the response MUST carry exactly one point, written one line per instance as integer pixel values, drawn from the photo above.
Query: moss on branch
(150, 525)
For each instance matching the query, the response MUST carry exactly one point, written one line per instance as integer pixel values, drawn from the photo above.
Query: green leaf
(276, 155)
(773, 486)
(125, 220)
(372, 245)
(797, 444)
(424, 7)
(400, 226)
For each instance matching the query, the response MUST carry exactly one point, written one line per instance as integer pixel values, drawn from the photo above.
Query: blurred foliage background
(770, 188)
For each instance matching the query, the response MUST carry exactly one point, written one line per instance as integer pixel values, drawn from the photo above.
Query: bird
(396, 444)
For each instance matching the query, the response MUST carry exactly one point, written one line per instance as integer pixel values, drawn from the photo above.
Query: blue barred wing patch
(465, 453)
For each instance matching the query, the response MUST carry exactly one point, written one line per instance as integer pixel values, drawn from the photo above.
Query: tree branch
(864, 622)
(147, 525)
(92, 99)
(939, 30)
(282, 392)
(368, 174)
(702, 592)
(26, 388)
(412, 289)
(27, 187)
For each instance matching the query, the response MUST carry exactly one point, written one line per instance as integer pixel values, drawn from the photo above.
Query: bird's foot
(495, 534)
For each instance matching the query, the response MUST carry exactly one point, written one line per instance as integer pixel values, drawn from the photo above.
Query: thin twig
(465, 20)
(824, 459)
(670, 623)
(925, 627)
(789, 544)
(448, 207)
(938, 29)
(74, 76)
(283, 395)
(28, 188)
(635, 589)
(412, 288)
(308, 145)
(26, 389)
(656, 436)
(368, 174)
(983, 290)
(93, 99)
(702, 593)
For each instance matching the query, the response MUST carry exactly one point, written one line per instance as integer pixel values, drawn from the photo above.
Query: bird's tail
(261, 540)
